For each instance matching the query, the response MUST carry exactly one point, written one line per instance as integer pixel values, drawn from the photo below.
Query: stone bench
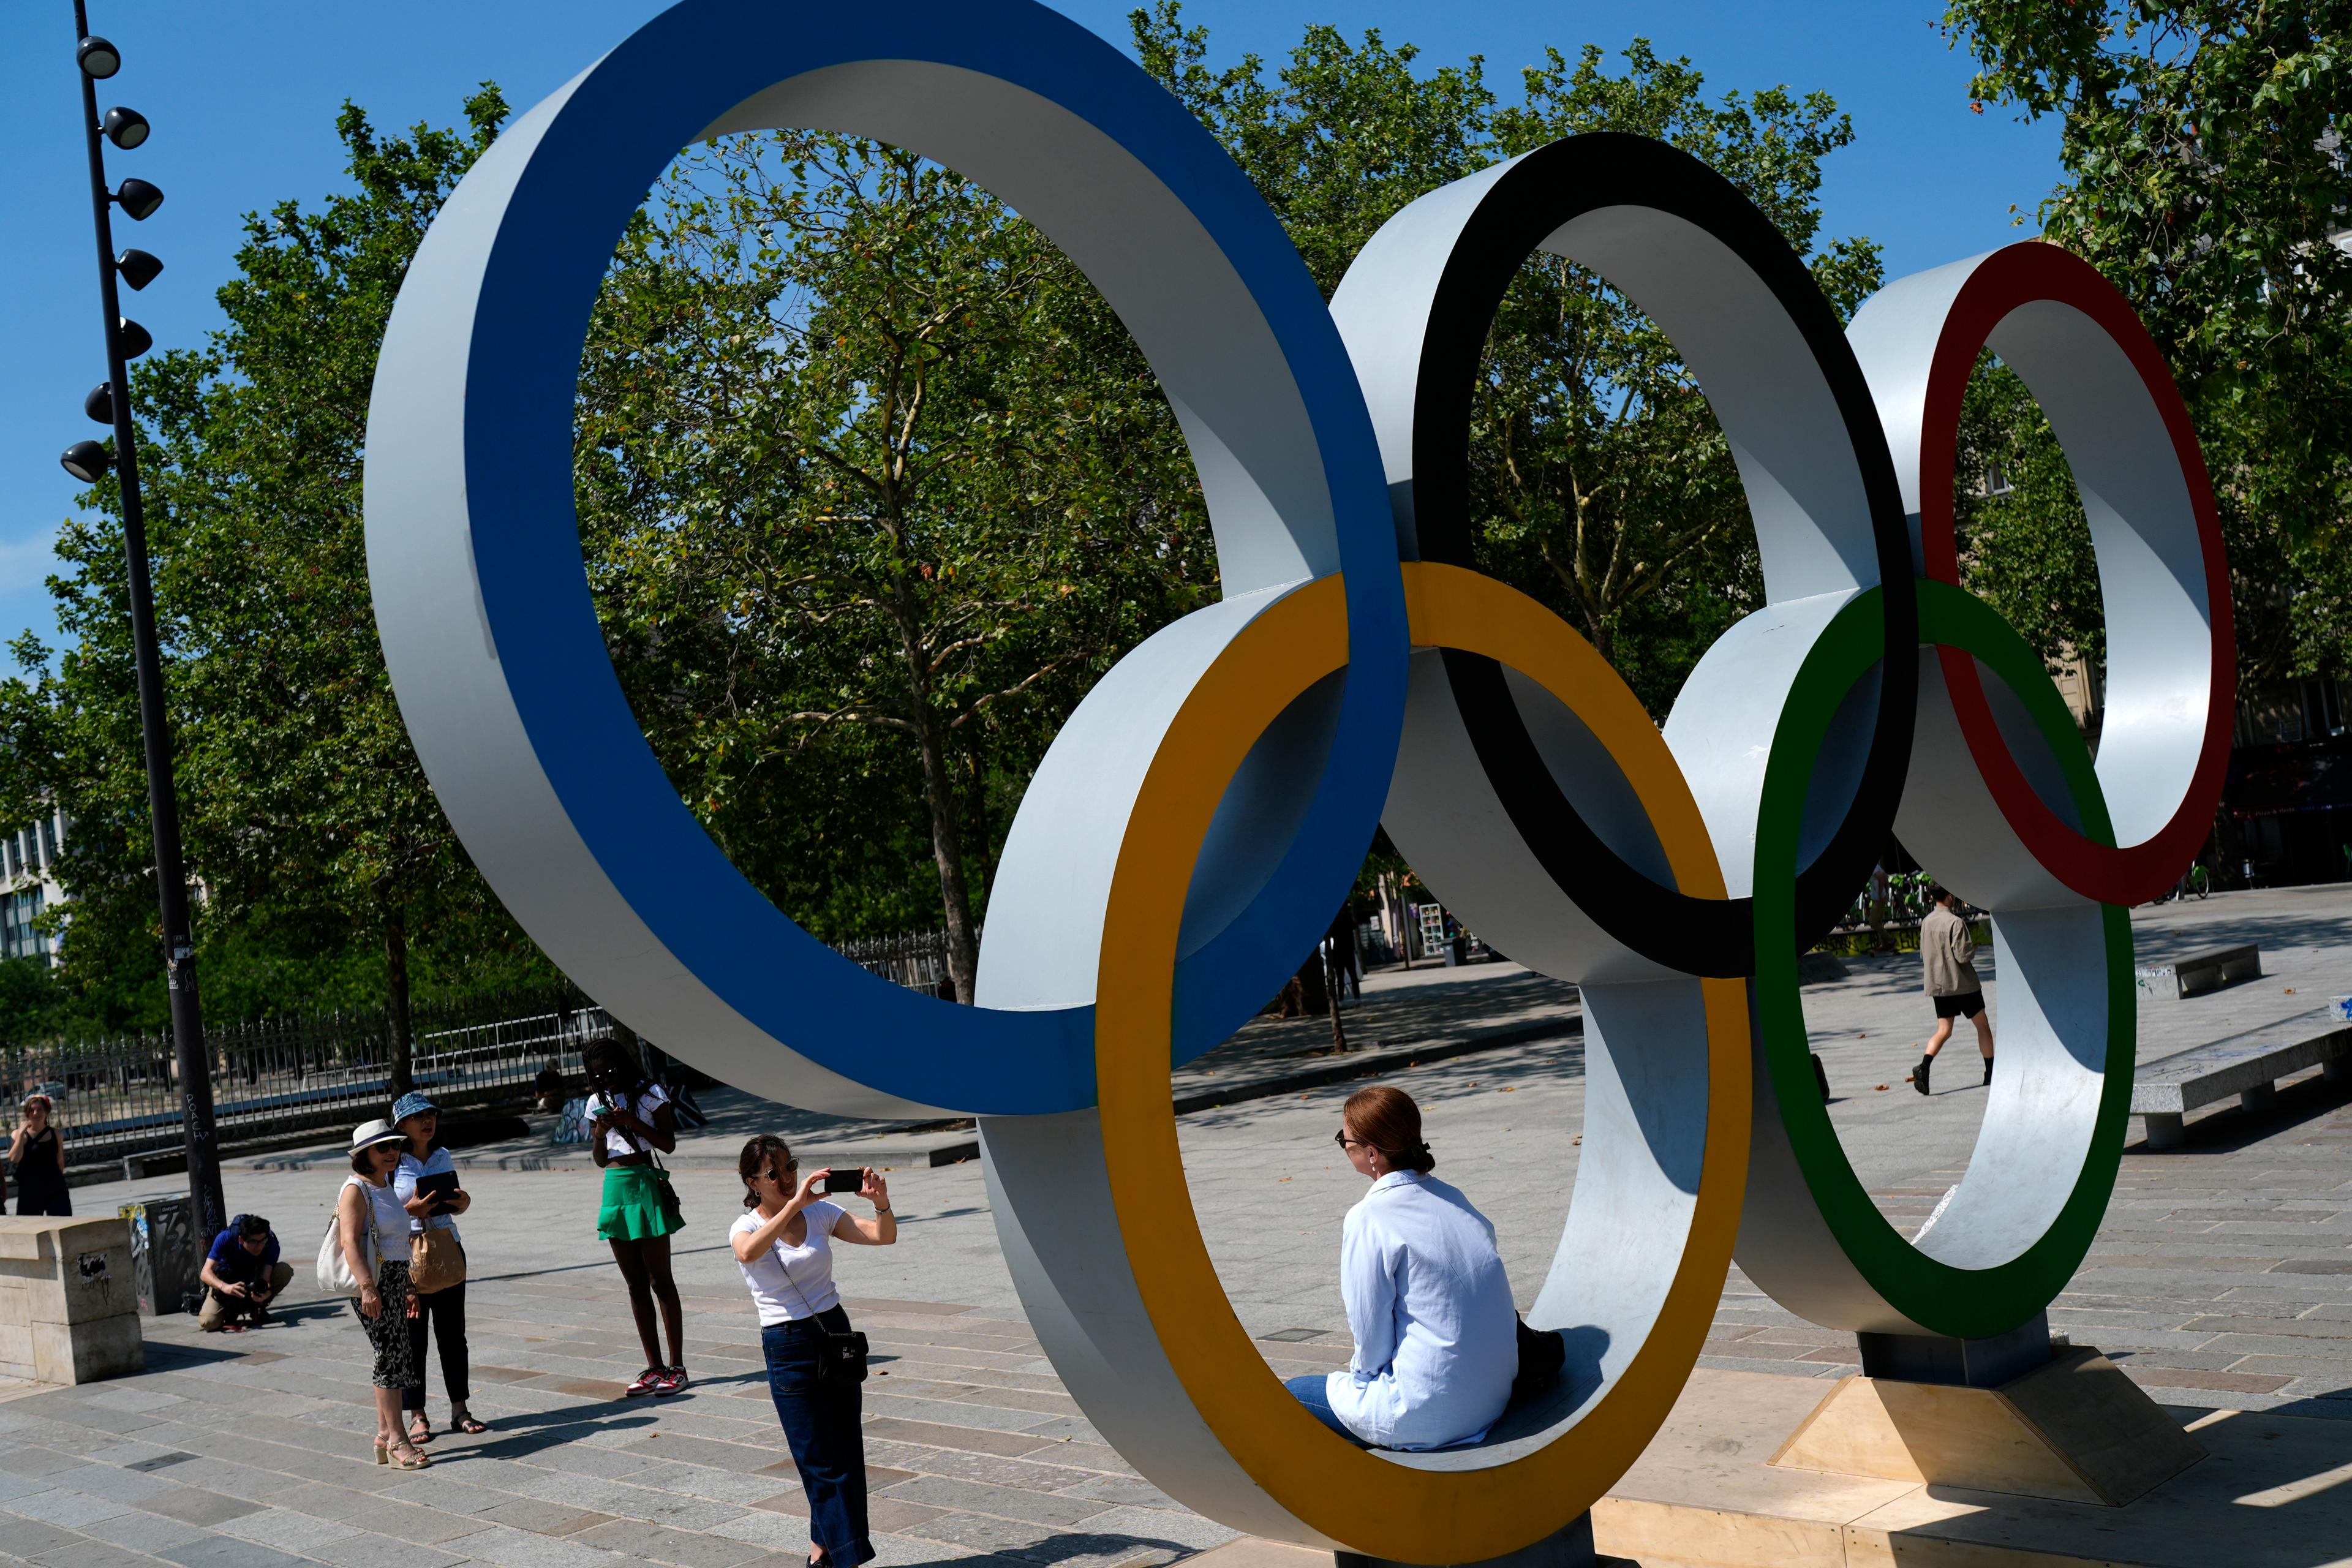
(69, 1306)
(2247, 1066)
(2198, 973)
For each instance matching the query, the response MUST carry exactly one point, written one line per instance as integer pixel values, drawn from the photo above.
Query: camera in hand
(844, 1181)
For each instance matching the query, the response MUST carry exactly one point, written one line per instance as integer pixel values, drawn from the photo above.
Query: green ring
(1965, 1303)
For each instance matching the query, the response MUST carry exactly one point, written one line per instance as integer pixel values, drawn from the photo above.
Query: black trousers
(444, 1316)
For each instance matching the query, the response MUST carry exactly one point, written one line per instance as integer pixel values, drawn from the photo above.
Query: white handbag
(334, 1268)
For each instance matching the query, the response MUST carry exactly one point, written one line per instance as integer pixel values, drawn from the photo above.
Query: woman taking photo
(441, 1312)
(630, 1118)
(1428, 1302)
(785, 1245)
(38, 1155)
(368, 1208)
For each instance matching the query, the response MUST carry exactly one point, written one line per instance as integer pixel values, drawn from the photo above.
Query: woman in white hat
(369, 1206)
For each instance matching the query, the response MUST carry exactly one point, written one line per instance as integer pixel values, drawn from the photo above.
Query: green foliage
(2025, 545)
(873, 486)
(1600, 480)
(2206, 176)
(310, 832)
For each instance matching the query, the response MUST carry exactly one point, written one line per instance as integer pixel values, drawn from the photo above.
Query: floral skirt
(387, 1331)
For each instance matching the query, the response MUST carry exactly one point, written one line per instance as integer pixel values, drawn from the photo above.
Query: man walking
(1946, 954)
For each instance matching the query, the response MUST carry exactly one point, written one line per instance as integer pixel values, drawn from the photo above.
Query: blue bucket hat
(412, 1104)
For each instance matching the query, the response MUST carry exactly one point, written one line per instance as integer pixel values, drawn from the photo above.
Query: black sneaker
(1987, 1077)
(1920, 1077)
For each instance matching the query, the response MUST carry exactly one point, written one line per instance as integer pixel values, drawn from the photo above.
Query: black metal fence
(120, 1096)
(917, 960)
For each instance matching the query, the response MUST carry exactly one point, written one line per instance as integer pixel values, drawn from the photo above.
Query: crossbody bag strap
(635, 1145)
(785, 1269)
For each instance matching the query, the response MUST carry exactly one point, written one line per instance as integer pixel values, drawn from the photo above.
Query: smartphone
(844, 1181)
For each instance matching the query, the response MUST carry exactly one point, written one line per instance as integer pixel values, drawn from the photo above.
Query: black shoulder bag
(839, 1357)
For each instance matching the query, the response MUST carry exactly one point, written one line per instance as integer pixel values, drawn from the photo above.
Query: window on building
(18, 936)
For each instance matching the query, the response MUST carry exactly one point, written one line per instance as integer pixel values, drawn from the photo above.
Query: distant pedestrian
(425, 1183)
(631, 1117)
(37, 1154)
(784, 1243)
(1946, 954)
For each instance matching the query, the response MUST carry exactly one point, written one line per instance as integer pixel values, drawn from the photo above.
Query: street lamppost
(110, 403)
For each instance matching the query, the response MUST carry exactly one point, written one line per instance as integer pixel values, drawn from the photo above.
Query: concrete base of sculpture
(69, 1304)
(1703, 1496)
(1570, 1547)
(2074, 1429)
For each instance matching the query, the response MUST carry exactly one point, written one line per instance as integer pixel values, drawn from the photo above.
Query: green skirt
(638, 1205)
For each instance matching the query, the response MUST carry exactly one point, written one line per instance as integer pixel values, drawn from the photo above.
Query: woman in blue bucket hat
(440, 1313)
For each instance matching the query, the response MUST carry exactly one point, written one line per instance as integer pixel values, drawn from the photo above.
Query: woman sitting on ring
(1430, 1305)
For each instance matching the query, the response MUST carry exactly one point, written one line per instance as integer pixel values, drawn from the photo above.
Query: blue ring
(602, 150)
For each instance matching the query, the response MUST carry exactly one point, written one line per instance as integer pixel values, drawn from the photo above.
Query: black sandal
(420, 1419)
(468, 1424)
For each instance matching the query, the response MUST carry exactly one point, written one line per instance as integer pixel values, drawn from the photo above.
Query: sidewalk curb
(1342, 1069)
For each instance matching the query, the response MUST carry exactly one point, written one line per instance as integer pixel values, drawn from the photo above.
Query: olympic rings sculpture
(1210, 802)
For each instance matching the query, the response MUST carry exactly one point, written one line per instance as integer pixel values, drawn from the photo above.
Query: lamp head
(86, 461)
(99, 404)
(99, 59)
(138, 267)
(126, 128)
(136, 339)
(139, 198)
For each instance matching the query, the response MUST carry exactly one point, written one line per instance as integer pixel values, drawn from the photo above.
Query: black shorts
(1968, 1005)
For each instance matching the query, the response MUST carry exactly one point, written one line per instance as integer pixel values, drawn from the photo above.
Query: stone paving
(2222, 1277)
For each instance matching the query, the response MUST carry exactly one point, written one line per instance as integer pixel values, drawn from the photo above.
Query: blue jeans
(820, 1423)
(1315, 1392)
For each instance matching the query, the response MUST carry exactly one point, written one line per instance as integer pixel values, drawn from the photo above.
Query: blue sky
(244, 96)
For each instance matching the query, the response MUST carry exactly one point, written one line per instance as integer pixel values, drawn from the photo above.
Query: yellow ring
(1347, 1494)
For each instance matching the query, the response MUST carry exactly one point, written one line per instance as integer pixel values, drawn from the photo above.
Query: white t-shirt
(411, 1170)
(789, 1283)
(642, 1107)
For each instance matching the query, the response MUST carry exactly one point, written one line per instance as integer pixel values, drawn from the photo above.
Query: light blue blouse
(1437, 1332)
(411, 1170)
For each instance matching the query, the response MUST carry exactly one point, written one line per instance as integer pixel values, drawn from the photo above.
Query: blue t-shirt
(233, 1263)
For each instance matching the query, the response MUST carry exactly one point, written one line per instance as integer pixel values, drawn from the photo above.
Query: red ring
(2009, 277)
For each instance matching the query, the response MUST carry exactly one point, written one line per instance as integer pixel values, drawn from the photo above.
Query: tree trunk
(941, 797)
(1314, 992)
(947, 852)
(395, 977)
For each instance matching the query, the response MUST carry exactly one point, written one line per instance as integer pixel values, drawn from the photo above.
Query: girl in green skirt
(631, 1117)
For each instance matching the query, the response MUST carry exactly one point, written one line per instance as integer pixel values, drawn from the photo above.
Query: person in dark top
(242, 1276)
(37, 1154)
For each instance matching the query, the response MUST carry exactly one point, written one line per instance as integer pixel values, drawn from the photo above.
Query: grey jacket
(1946, 949)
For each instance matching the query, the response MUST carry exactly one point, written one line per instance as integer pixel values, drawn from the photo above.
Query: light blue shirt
(1436, 1333)
(403, 1186)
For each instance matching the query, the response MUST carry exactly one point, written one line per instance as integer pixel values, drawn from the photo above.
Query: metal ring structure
(2164, 581)
(1107, 1248)
(2044, 1163)
(492, 640)
(1561, 872)
(1186, 836)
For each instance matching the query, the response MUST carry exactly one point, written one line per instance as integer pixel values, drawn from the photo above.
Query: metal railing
(915, 960)
(120, 1096)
